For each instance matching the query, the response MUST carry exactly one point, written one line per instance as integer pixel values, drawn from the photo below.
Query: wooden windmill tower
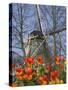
(38, 45)
(37, 42)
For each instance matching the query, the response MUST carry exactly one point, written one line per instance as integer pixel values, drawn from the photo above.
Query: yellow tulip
(61, 81)
(52, 82)
(57, 81)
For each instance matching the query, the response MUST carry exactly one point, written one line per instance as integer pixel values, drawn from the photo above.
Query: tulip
(39, 60)
(57, 60)
(42, 80)
(54, 75)
(29, 60)
(27, 77)
(28, 70)
(19, 77)
(52, 82)
(19, 71)
(47, 68)
(57, 81)
(61, 81)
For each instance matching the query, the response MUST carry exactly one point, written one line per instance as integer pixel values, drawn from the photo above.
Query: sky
(31, 21)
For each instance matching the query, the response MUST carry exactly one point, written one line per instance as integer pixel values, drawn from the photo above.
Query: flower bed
(35, 72)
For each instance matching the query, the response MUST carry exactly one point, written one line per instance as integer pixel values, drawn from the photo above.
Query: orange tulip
(19, 77)
(27, 77)
(47, 68)
(45, 78)
(42, 80)
(39, 60)
(19, 73)
(57, 60)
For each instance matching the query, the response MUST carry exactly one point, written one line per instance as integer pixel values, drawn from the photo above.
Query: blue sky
(31, 21)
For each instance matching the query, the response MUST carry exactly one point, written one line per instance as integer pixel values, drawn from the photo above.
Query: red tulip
(54, 75)
(28, 70)
(29, 60)
(19, 71)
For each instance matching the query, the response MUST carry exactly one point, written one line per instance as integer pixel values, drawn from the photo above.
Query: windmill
(36, 44)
